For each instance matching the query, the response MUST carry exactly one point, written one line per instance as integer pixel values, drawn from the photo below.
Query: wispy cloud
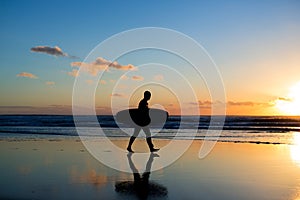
(202, 103)
(120, 95)
(74, 73)
(50, 109)
(134, 78)
(246, 103)
(137, 78)
(205, 103)
(50, 83)
(54, 51)
(284, 99)
(209, 104)
(101, 64)
(124, 77)
(27, 75)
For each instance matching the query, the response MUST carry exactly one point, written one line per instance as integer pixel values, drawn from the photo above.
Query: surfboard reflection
(141, 186)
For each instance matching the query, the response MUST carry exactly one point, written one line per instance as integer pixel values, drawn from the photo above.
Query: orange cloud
(101, 64)
(118, 95)
(137, 78)
(27, 75)
(51, 109)
(205, 103)
(247, 103)
(74, 73)
(50, 83)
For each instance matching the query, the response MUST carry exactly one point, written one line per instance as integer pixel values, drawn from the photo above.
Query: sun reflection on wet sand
(295, 156)
(295, 149)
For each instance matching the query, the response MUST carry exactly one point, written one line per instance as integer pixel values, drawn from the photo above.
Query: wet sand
(64, 169)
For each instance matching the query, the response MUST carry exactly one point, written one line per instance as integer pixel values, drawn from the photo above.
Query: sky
(255, 45)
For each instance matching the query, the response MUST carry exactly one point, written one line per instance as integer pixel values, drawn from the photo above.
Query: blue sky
(255, 44)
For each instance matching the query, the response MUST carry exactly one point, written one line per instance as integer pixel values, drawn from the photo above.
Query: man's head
(147, 95)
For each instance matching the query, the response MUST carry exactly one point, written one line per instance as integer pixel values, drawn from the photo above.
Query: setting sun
(291, 104)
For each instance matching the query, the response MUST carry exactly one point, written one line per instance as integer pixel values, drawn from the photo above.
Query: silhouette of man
(145, 119)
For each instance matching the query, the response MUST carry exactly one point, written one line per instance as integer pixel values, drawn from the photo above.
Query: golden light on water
(295, 149)
(291, 104)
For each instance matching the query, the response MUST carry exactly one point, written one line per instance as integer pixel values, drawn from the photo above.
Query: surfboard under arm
(134, 117)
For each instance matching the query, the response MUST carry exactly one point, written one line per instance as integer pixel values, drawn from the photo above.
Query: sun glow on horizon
(291, 104)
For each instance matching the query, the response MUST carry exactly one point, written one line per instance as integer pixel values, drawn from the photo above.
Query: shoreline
(41, 137)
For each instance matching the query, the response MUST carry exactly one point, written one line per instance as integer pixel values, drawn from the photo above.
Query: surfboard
(134, 117)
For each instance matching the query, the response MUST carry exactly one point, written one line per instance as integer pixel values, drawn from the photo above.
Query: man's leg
(149, 140)
(132, 138)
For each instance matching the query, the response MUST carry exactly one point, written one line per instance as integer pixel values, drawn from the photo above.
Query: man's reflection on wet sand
(141, 186)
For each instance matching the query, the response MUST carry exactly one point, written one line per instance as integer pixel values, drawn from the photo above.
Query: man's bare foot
(130, 150)
(154, 150)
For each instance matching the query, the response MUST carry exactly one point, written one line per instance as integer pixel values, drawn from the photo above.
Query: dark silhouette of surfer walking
(144, 121)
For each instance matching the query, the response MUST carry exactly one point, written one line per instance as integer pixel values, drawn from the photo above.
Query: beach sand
(64, 169)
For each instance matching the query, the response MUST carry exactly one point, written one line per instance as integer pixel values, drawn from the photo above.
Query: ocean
(249, 129)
